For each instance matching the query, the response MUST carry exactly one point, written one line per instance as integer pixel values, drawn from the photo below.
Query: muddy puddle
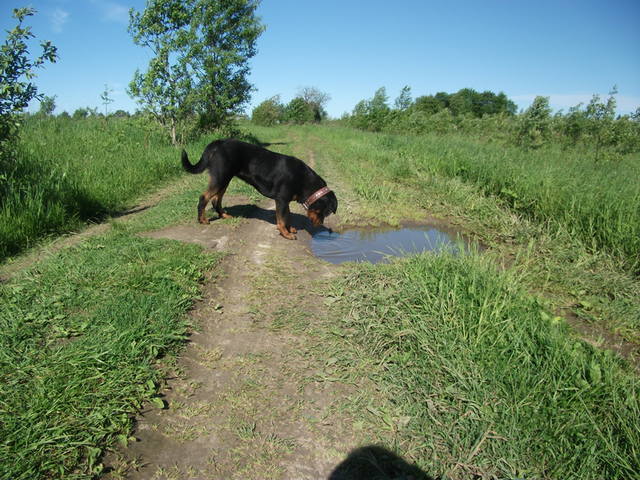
(382, 244)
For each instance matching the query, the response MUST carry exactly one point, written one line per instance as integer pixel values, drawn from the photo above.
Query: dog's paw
(289, 236)
(293, 230)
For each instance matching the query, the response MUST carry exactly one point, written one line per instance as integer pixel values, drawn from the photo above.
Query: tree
(106, 99)
(17, 70)
(429, 104)
(372, 114)
(317, 100)
(600, 120)
(404, 101)
(47, 106)
(534, 124)
(80, 113)
(269, 112)
(299, 111)
(200, 65)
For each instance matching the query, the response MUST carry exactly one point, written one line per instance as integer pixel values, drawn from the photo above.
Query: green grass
(66, 172)
(486, 378)
(386, 179)
(483, 377)
(599, 203)
(82, 334)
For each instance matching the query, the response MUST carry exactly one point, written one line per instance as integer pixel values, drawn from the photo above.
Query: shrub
(268, 113)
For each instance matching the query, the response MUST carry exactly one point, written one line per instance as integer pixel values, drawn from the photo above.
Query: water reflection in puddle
(367, 245)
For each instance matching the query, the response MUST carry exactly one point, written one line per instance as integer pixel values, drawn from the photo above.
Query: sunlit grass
(66, 172)
(82, 333)
(487, 379)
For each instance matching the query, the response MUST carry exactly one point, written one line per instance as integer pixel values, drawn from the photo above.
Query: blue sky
(567, 50)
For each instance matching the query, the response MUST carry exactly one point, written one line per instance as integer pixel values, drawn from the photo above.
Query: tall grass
(489, 382)
(65, 172)
(598, 202)
(81, 335)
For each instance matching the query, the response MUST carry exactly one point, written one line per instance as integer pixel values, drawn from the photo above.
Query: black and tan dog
(280, 177)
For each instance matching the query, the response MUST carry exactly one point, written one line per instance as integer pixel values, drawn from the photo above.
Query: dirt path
(248, 400)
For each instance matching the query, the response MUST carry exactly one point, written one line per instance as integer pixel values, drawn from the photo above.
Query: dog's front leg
(282, 219)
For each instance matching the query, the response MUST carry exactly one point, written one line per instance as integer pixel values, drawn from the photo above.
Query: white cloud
(58, 19)
(112, 11)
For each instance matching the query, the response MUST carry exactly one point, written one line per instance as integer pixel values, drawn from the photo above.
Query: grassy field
(82, 333)
(392, 178)
(474, 366)
(475, 356)
(67, 172)
(482, 379)
(594, 201)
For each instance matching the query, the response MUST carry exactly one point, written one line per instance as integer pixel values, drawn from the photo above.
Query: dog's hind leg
(202, 205)
(214, 194)
(217, 203)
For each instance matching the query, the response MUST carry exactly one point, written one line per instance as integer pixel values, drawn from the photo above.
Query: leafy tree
(47, 106)
(268, 113)
(80, 113)
(17, 70)
(464, 102)
(429, 104)
(600, 121)
(200, 65)
(307, 106)
(372, 114)
(317, 100)
(467, 101)
(573, 125)
(404, 101)
(378, 109)
(300, 111)
(534, 126)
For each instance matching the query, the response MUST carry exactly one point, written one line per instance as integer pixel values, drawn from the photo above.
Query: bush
(298, 112)
(268, 113)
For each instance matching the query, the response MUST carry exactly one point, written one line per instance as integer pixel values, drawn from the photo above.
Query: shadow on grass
(251, 138)
(374, 462)
(37, 202)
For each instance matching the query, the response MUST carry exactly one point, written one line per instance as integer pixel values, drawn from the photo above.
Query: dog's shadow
(299, 222)
(375, 462)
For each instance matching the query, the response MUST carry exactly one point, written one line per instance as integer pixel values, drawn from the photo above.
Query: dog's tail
(198, 167)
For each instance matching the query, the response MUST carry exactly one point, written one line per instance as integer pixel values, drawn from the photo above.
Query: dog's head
(322, 208)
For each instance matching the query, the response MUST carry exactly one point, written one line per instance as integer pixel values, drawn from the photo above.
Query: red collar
(315, 196)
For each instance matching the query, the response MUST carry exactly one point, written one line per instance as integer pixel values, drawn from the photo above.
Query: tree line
(594, 126)
(308, 106)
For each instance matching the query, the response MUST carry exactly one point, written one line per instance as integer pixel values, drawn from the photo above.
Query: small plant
(106, 98)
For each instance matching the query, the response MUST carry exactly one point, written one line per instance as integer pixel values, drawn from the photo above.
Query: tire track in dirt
(248, 400)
